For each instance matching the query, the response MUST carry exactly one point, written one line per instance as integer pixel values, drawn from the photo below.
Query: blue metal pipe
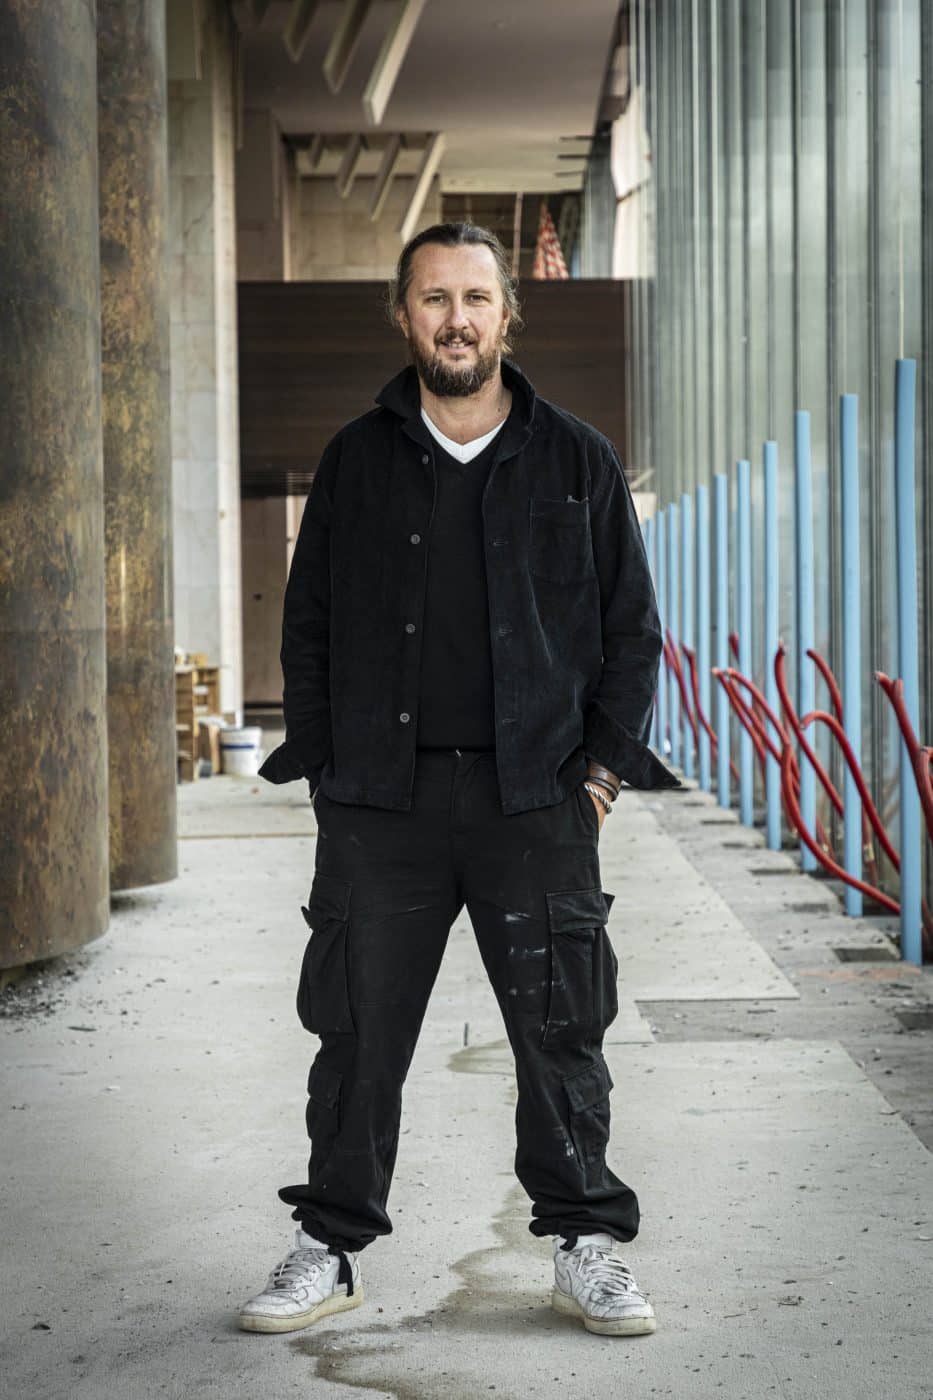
(703, 628)
(723, 746)
(663, 713)
(744, 575)
(851, 642)
(650, 533)
(686, 627)
(806, 681)
(905, 391)
(673, 616)
(772, 626)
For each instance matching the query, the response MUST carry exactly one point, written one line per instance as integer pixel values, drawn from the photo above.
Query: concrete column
(205, 417)
(137, 451)
(53, 750)
(265, 198)
(265, 574)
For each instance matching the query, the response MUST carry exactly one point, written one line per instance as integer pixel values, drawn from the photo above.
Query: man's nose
(457, 315)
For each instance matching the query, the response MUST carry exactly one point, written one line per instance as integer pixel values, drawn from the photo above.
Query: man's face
(454, 318)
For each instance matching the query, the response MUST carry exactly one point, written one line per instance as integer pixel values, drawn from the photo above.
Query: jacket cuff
(625, 755)
(291, 761)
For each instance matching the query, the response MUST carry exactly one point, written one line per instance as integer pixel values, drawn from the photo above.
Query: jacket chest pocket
(560, 547)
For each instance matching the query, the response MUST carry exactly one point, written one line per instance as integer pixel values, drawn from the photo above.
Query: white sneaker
(309, 1283)
(591, 1283)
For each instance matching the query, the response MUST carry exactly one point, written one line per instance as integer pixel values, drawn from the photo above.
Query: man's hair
(455, 235)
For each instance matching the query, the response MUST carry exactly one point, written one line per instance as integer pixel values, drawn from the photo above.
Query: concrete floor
(153, 1098)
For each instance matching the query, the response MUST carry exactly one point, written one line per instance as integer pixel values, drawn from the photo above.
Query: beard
(451, 381)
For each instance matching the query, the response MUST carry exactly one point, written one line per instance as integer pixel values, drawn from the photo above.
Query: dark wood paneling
(314, 355)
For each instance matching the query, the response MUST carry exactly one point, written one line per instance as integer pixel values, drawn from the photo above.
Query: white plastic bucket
(240, 751)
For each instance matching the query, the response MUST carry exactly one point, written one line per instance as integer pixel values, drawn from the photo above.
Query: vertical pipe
(851, 641)
(650, 533)
(744, 576)
(703, 627)
(803, 532)
(687, 615)
(723, 747)
(661, 547)
(772, 624)
(905, 388)
(673, 622)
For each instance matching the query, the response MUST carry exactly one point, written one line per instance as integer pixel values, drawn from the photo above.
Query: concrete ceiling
(507, 81)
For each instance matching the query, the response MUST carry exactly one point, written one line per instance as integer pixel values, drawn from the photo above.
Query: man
(470, 653)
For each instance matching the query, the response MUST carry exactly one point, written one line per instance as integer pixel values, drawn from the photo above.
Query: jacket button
(404, 716)
(415, 539)
(409, 627)
(425, 460)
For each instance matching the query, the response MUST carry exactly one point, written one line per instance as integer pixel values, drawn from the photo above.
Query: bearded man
(470, 654)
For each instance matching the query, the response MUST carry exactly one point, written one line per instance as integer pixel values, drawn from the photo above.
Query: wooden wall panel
(315, 354)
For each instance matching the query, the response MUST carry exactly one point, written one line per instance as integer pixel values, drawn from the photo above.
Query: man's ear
(401, 320)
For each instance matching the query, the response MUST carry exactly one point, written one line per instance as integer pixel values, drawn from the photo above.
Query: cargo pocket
(588, 1103)
(323, 999)
(323, 1111)
(583, 1000)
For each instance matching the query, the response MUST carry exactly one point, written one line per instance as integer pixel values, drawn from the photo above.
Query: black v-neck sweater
(456, 707)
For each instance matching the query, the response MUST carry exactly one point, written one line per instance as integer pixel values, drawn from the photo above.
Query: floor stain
(503, 1291)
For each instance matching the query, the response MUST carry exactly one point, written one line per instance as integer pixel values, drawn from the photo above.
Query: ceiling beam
(391, 57)
(343, 45)
(387, 169)
(349, 165)
(315, 151)
(298, 27)
(422, 183)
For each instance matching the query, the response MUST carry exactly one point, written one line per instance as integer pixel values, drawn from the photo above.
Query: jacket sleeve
(617, 719)
(305, 653)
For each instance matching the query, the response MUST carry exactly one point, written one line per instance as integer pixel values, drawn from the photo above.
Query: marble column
(136, 435)
(53, 733)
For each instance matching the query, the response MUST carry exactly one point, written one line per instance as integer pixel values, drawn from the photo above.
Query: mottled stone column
(53, 742)
(137, 445)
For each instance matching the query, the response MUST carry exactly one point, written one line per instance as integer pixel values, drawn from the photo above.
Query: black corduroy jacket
(573, 623)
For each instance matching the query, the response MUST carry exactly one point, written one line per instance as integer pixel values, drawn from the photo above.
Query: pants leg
(382, 903)
(533, 892)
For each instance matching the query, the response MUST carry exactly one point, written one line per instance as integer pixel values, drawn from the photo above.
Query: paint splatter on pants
(387, 887)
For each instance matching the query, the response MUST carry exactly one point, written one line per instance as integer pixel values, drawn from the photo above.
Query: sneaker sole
(603, 1327)
(336, 1303)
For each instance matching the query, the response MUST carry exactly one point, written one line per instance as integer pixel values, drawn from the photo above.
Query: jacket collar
(402, 396)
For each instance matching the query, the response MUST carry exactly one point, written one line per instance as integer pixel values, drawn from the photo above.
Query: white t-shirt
(463, 451)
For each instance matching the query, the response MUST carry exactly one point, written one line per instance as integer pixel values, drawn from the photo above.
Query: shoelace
(296, 1266)
(298, 1263)
(608, 1275)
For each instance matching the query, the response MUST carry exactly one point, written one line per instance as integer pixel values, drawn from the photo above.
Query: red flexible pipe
(920, 757)
(823, 857)
(787, 706)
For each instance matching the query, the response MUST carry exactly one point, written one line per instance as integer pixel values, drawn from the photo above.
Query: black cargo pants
(387, 887)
